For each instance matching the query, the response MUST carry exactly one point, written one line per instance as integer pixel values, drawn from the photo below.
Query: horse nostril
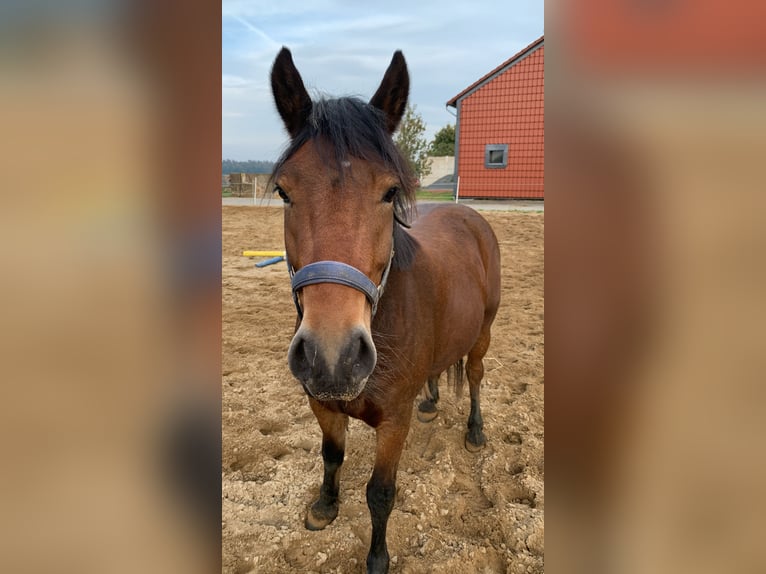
(299, 356)
(359, 356)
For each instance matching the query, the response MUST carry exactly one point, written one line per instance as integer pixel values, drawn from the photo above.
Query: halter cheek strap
(340, 273)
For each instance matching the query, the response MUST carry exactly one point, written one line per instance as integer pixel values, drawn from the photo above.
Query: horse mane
(405, 246)
(354, 128)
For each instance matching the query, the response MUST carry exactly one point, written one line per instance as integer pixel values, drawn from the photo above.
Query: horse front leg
(333, 425)
(381, 489)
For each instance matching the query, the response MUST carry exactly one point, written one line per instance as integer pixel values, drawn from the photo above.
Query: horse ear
(393, 91)
(292, 99)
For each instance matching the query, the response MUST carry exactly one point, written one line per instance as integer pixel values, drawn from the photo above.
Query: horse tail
(455, 377)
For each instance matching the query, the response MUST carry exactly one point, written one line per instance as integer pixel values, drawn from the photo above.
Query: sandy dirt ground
(454, 512)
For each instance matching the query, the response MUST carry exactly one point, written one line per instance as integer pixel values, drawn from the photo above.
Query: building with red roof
(499, 134)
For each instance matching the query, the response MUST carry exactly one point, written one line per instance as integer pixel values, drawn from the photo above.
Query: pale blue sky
(343, 48)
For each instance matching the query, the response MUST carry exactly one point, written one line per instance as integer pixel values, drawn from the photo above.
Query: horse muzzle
(332, 370)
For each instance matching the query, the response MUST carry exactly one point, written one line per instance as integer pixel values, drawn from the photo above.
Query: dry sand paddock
(455, 512)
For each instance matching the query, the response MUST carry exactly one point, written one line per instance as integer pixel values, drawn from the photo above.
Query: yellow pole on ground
(262, 253)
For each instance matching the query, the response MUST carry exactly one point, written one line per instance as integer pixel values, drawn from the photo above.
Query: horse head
(344, 183)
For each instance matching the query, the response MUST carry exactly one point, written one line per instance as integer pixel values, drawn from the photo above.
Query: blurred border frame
(655, 121)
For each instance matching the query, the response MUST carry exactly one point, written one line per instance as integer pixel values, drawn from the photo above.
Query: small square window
(495, 155)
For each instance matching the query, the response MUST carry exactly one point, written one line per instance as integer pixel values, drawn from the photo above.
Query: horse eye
(390, 194)
(282, 194)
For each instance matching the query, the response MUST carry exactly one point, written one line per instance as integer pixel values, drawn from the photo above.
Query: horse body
(466, 292)
(381, 309)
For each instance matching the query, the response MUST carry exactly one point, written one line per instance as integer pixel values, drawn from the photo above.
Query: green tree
(412, 143)
(443, 142)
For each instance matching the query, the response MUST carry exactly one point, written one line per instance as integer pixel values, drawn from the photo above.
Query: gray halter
(340, 273)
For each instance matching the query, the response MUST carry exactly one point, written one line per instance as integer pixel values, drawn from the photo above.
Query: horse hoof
(427, 417)
(427, 411)
(378, 564)
(317, 519)
(474, 446)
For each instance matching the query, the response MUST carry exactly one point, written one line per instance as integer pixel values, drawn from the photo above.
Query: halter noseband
(340, 273)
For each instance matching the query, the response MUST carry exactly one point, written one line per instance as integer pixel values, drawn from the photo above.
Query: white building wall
(440, 166)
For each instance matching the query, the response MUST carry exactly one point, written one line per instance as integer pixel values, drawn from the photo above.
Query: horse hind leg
(427, 408)
(474, 438)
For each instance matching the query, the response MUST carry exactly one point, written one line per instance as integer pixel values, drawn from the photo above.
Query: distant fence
(248, 184)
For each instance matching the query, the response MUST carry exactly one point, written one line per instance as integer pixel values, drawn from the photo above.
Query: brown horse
(381, 309)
